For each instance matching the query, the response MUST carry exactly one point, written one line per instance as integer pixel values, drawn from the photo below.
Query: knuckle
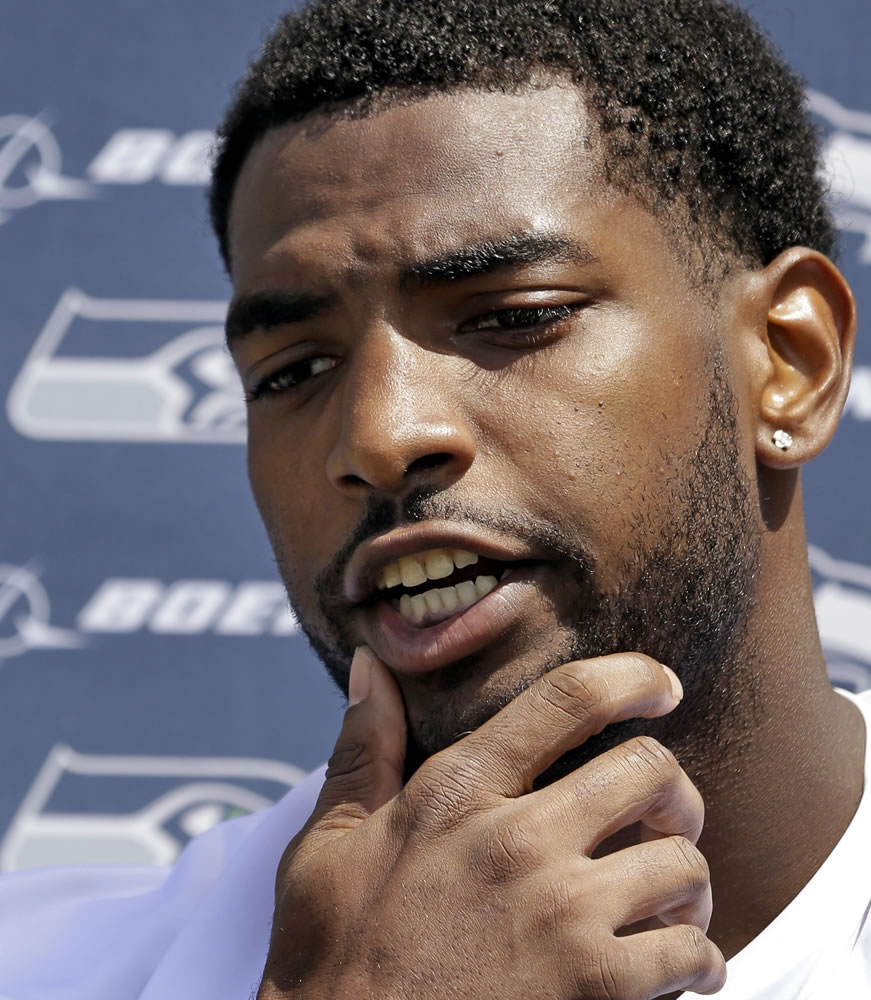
(572, 691)
(508, 852)
(441, 796)
(692, 863)
(559, 901)
(649, 759)
(654, 754)
(552, 910)
(481, 759)
(686, 951)
(696, 943)
(347, 758)
(349, 773)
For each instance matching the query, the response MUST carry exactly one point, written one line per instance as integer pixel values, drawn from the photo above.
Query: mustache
(383, 514)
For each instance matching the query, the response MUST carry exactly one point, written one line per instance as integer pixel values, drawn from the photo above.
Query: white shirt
(199, 931)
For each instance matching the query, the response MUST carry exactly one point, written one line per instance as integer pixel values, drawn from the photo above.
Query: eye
(528, 323)
(290, 377)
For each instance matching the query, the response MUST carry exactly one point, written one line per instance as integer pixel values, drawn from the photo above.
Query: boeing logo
(31, 162)
(30, 166)
(24, 615)
(124, 605)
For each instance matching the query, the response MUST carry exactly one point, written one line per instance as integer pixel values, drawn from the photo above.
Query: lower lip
(417, 650)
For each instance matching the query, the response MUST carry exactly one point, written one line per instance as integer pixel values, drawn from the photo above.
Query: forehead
(414, 179)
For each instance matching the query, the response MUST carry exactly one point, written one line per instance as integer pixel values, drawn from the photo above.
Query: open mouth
(429, 587)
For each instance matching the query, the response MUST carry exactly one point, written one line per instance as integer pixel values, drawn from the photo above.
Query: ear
(802, 373)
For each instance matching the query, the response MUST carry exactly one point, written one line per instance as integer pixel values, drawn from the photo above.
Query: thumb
(365, 769)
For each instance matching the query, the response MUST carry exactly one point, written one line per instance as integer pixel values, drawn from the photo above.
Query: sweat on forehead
(695, 107)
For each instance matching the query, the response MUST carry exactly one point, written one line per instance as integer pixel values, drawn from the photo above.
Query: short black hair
(696, 109)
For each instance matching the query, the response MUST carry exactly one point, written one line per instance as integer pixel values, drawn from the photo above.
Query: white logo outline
(141, 828)
(45, 181)
(33, 630)
(95, 398)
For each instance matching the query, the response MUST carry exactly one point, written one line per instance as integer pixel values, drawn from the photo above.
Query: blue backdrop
(151, 681)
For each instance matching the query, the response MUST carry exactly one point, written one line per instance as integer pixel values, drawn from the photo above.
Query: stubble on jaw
(686, 600)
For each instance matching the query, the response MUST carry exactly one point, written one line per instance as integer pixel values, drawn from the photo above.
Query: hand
(466, 883)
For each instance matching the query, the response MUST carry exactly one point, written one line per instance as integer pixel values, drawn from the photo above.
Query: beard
(685, 598)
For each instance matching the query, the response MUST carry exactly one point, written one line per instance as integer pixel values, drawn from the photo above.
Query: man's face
(458, 343)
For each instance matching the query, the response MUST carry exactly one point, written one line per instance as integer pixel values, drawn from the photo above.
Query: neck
(787, 792)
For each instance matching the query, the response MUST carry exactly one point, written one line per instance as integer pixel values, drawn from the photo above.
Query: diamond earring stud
(783, 439)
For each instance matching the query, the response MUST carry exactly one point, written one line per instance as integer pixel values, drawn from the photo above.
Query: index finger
(562, 710)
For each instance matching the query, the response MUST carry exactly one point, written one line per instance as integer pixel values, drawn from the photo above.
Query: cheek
(265, 474)
(597, 434)
(279, 471)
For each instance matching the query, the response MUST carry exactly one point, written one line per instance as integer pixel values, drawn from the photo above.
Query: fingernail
(361, 675)
(676, 686)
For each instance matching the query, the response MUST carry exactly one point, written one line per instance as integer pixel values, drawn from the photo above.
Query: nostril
(353, 480)
(427, 462)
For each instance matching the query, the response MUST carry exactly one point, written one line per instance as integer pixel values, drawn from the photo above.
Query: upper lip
(361, 574)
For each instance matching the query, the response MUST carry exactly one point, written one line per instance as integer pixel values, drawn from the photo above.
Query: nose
(401, 424)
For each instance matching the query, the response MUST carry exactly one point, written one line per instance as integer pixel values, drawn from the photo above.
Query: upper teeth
(434, 564)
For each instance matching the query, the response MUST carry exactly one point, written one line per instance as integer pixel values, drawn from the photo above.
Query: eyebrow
(263, 310)
(492, 255)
